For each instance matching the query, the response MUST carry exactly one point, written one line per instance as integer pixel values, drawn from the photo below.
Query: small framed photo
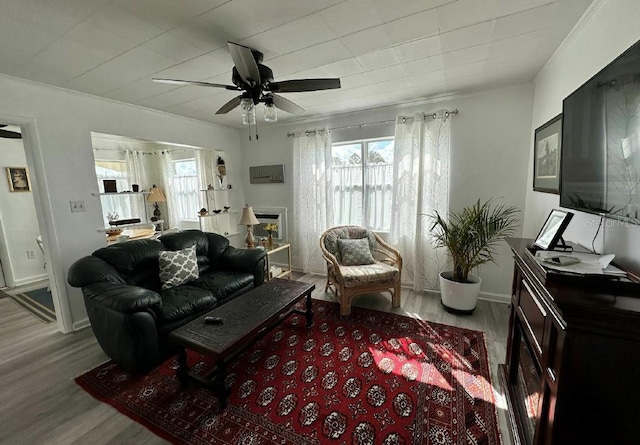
(547, 150)
(18, 179)
(552, 230)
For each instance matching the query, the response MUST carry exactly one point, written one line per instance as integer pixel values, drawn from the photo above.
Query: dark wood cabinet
(573, 357)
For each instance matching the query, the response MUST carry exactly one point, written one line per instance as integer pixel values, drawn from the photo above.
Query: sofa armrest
(245, 260)
(122, 297)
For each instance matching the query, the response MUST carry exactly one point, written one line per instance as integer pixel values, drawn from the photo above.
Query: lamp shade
(248, 218)
(156, 195)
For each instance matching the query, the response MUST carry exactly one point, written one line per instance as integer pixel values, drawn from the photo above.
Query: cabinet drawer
(533, 315)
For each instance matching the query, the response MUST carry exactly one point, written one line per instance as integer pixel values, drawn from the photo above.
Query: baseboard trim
(81, 324)
(30, 280)
(496, 298)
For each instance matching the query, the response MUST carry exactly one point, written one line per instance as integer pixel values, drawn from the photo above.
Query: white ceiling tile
(344, 67)
(547, 39)
(387, 73)
(463, 13)
(429, 89)
(172, 47)
(351, 16)
(546, 16)
(292, 36)
(141, 89)
(426, 78)
(202, 67)
(20, 43)
(54, 16)
(318, 55)
(470, 69)
(419, 49)
(466, 55)
(120, 71)
(368, 40)
(426, 65)
(356, 80)
(392, 10)
(167, 14)
(61, 62)
(417, 26)
(465, 37)
(199, 32)
(180, 96)
(378, 59)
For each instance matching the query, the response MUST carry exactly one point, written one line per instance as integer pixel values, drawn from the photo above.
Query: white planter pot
(459, 297)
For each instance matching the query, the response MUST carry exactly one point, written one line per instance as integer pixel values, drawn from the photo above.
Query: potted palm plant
(471, 237)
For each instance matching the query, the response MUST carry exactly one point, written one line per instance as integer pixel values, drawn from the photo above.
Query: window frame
(364, 156)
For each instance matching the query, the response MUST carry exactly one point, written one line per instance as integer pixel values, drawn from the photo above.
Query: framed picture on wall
(547, 150)
(18, 179)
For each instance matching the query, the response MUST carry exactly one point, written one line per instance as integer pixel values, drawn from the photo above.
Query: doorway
(22, 262)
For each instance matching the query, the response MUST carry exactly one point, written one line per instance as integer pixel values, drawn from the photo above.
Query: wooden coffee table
(245, 319)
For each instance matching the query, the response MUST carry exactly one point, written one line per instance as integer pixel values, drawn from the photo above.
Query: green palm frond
(472, 236)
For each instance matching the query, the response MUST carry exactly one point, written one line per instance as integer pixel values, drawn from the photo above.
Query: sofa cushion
(225, 285)
(355, 252)
(136, 261)
(178, 267)
(183, 302)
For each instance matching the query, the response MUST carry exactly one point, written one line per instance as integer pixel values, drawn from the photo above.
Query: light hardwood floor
(41, 404)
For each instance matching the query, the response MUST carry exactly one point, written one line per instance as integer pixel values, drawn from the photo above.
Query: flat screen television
(600, 161)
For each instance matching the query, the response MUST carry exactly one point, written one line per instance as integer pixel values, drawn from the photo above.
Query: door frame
(44, 213)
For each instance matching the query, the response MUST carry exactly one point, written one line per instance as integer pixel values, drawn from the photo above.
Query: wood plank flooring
(41, 404)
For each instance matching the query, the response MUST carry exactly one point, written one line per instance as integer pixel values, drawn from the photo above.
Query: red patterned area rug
(369, 378)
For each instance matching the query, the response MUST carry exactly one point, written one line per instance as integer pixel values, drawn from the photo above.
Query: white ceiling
(385, 51)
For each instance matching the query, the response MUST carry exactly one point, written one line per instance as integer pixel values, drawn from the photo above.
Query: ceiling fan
(7, 134)
(255, 80)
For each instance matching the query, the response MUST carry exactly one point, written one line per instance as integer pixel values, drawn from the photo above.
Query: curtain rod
(446, 114)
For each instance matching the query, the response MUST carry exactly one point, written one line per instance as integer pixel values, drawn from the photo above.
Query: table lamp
(248, 219)
(155, 197)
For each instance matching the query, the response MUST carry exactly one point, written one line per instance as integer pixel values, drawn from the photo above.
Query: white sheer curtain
(136, 171)
(421, 186)
(347, 194)
(378, 195)
(312, 198)
(165, 164)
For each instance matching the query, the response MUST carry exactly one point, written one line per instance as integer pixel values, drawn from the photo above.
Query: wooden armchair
(352, 269)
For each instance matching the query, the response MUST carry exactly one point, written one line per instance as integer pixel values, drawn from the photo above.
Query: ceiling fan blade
(195, 82)
(300, 85)
(245, 63)
(286, 105)
(230, 105)
(10, 134)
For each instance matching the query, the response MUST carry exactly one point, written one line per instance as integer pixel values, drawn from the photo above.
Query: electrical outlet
(31, 254)
(77, 206)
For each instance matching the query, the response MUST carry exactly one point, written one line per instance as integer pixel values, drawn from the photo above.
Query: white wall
(489, 148)
(18, 222)
(61, 161)
(608, 29)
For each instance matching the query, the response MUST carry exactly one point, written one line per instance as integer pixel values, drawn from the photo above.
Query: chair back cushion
(355, 252)
(347, 232)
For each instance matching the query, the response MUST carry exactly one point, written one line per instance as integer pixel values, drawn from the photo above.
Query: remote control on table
(213, 320)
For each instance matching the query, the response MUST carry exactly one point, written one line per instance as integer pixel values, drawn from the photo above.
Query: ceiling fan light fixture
(248, 112)
(270, 112)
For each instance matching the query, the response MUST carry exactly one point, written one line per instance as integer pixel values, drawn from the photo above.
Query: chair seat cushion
(369, 274)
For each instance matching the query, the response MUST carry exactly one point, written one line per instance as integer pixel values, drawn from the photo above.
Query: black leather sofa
(129, 313)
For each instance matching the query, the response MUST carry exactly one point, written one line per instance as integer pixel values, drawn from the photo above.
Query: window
(114, 205)
(184, 184)
(363, 182)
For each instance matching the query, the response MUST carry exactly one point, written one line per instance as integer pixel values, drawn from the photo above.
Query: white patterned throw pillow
(178, 267)
(355, 252)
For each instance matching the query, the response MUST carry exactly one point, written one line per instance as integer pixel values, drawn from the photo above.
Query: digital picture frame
(552, 229)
